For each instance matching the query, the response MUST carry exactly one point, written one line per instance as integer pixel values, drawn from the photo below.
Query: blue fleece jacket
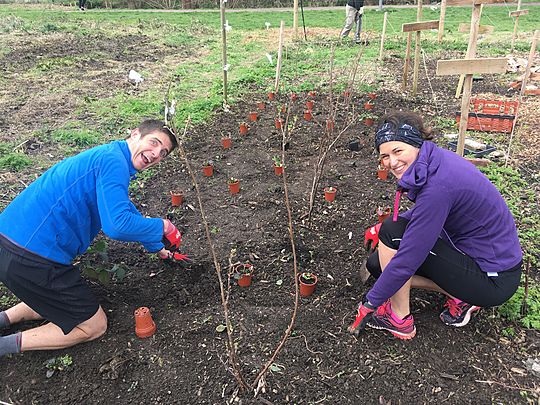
(455, 201)
(60, 213)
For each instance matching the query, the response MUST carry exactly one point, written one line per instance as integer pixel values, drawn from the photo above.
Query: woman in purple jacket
(459, 239)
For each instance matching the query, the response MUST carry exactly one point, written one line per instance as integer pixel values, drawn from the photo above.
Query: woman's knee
(373, 265)
(391, 232)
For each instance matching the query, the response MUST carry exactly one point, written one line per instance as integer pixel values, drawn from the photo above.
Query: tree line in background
(195, 4)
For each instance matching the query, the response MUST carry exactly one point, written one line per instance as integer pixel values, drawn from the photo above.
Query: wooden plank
(471, 66)
(482, 29)
(517, 13)
(472, 2)
(420, 26)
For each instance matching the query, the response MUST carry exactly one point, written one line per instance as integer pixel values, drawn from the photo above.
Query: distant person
(459, 238)
(81, 5)
(56, 218)
(353, 14)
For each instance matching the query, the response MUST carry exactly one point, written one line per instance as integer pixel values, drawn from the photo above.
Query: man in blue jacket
(353, 14)
(56, 219)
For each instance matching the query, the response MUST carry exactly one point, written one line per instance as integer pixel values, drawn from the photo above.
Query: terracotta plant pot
(246, 273)
(283, 108)
(177, 198)
(244, 280)
(278, 170)
(226, 142)
(372, 96)
(234, 187)
(294, 96)
(307, 115)
(368, 106)
(144, 324)
(330, 124)
(309, 104)
(243, 128)
(312, 93)
(330, 194)
(368, 122)
(261, 105)
(382, 173)
(271, 95)
(279, 122)
(208, 170)
(346, 93)
(307, 286)
(253, 116)
(383, 213)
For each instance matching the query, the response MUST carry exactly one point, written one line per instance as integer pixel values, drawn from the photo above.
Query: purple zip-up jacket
(455, 201)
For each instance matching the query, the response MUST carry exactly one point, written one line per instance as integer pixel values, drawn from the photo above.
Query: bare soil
(185, 362)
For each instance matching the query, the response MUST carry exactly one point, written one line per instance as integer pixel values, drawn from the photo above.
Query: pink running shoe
(457, 313)
(383, 319)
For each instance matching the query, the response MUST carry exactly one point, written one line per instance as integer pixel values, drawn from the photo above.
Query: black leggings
(453, 271)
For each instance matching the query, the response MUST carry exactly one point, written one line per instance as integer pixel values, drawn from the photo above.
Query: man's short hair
(149, 126)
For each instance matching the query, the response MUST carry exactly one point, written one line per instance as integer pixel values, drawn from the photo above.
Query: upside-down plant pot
(368, 106)
(261, 105)
(307, 115)
(253, 116)
(278, 122)
(309, 104)
(330, 194)
(208, 170)
(307, 286)
(243, 128)
(234, 188)
(383, 213)
(278, 170)
(226, 142)
(382, 173)
(144, 324)
(368, 122)
(271, 95)
(176, 198)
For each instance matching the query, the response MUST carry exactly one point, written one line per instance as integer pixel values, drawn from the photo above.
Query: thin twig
(534, 391)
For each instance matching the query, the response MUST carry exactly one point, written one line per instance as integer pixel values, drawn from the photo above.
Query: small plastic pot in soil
(278, 122)
(346, 94)
(312, 93)
(330, 194)
(226, 142)
(278, 170)
(208, 170)
(271, 95)
(177, 198)
(245, 280)
(307, 286)
(382, 174)
(253, 116)
(307, 115)
(368, 122)
(144, 324)
(372, 96)
(309, 104)
(368, 106)
(234, 188)
(383, 213)
(294, 97)
(243, 129)
(261, 105)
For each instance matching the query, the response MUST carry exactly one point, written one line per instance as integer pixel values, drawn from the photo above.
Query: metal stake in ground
(468, 67)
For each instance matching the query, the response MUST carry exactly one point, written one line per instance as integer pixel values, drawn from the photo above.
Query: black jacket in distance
(356, 3)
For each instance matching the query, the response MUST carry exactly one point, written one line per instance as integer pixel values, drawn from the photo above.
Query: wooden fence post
(385, 20)
(280, 52)
(441, 21)
(224, 40)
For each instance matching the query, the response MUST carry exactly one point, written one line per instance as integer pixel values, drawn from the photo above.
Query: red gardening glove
(363, 315)
(171, 236)
(371, 237)
(175, 257)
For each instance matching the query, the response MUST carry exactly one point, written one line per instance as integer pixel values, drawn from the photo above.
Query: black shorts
(453, 271)
(55, 291)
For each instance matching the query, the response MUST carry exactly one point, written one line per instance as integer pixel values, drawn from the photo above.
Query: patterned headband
(404, 133)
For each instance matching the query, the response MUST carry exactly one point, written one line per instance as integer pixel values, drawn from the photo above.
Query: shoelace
(454, 307)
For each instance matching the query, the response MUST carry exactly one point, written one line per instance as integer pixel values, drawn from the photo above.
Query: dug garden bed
(186, 362)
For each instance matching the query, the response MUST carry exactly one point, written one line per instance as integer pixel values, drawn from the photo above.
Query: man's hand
(171, 236)
(363, 315)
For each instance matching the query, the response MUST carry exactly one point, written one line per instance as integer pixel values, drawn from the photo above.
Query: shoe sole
(399, 335)
(468, 315)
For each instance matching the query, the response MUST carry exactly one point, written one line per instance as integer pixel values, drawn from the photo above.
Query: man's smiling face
(148, 150)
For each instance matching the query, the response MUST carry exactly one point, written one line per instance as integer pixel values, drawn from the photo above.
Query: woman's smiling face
(397, 156)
